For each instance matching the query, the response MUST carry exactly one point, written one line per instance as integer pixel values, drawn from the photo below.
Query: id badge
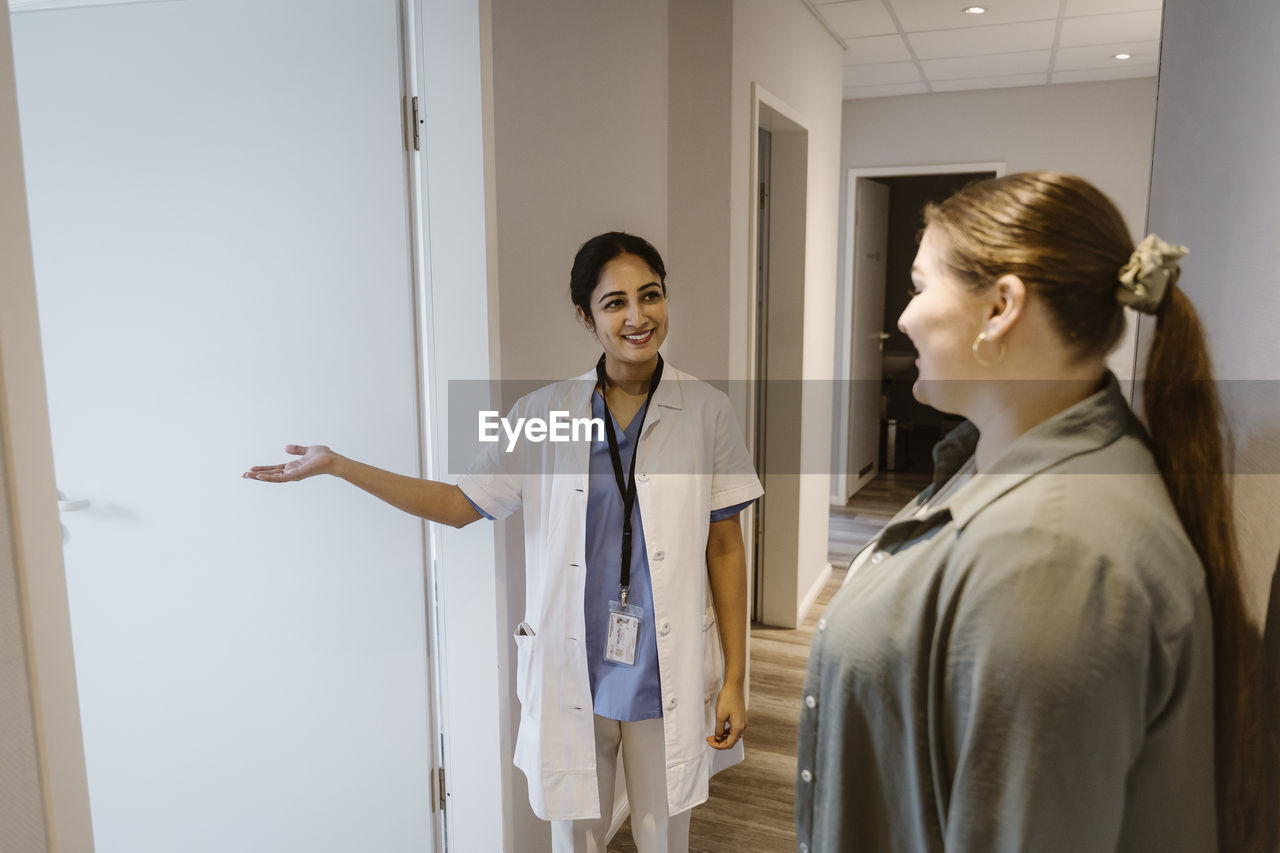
(624, 633)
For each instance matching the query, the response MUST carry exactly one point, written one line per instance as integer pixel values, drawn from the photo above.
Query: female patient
(1032, 654)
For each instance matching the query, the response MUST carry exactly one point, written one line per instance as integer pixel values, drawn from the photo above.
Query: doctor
(634, 636)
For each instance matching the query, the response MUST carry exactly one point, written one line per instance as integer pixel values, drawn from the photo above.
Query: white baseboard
(814, 591)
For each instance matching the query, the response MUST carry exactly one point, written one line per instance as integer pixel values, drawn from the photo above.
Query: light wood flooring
(750, 809)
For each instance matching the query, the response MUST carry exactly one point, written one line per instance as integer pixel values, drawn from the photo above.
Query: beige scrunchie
(1152, 268)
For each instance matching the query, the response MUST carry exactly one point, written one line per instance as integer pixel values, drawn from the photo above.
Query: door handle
(66, 505)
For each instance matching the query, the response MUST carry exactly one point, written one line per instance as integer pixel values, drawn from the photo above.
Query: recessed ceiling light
(1123, 56)
(974, 10)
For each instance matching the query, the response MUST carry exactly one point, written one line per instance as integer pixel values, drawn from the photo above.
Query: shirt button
(810, 702)
(806, 775)
(659, 556)
(671, 703)
(664, 627)
(822, 624)
(877, 557)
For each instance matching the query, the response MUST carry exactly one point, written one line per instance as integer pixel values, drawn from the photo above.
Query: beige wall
(1100, 131)
(43, 776)
(21, 803)
(784, 49)
(580, 125)
(1214, 188)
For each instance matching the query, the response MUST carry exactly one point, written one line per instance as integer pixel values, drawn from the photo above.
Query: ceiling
(905, 47)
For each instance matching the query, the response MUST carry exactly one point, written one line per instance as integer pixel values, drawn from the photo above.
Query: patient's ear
(1008, 301)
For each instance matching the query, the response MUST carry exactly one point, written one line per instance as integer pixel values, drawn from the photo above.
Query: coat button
(810, 702)
(822, 624)
(664, 627)
(877, 557)
(804, 848)
(672, 703)
(642, 477)
(806, 775)
(659, 556)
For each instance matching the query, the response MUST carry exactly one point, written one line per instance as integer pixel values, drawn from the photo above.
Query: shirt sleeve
(1052, 673)
(477, 508)
(494, 482)
(733, 478)
(730, 511)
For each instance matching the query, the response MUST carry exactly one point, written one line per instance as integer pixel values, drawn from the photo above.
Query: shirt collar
(670, 393)
(1094, 422)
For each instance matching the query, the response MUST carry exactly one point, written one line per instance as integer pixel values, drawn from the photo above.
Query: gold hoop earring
(977, 356)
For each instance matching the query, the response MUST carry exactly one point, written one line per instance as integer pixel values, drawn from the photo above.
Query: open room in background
(881, 427)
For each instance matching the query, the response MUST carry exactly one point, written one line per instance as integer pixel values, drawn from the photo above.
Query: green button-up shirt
(1026, 666)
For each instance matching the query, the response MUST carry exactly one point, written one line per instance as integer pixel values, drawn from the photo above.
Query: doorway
(779, 210)
(881, 427)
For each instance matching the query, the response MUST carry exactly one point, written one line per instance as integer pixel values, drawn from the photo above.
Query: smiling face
(628, 313)
(942, 319)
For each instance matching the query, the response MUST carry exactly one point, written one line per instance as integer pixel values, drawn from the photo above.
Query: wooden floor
(750, 809)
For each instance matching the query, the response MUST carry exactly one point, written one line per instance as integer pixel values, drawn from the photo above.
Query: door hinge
(440, 802)
(416, 119)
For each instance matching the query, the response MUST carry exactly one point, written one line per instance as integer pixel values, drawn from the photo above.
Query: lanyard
(627, 486)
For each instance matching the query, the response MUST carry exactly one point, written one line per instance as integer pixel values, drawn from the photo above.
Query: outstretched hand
(316, 459)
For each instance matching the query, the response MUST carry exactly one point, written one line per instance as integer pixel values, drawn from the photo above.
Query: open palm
(312, 460)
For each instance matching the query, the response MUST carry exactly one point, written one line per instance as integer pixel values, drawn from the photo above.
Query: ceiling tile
(876, 49)
(1089, 75)
(1076, 8)
(858, 18)
(917, 15)
(1103, 56)
(975, 41)
(1005, 82)
(999, 65)
(853, 93)
(1108, 29)
(881, 74)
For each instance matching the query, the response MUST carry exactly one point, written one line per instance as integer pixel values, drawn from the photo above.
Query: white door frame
(781, 601)
(841, 489)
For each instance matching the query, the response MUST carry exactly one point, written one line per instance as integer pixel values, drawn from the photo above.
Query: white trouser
(644, 764)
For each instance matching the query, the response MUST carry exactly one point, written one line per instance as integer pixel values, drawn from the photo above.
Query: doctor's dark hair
(1067, 242)
(598, 251)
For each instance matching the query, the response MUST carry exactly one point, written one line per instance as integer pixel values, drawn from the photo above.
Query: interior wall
(782, 47)
(1100, 131)
(1214, 181)
(580, 126)
(700, 63)
(21, 801)
(41, 749)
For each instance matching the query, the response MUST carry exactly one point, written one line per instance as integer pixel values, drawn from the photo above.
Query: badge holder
(624, 632)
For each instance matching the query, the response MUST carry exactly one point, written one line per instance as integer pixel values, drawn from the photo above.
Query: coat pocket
(526, 642)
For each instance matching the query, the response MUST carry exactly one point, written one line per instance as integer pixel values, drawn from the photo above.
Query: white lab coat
(691, 461)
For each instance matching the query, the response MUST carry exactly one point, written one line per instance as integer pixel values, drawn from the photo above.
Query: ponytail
(1185, 417)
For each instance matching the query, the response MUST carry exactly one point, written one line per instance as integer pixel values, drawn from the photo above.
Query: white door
(221, 229)
(870, 246)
